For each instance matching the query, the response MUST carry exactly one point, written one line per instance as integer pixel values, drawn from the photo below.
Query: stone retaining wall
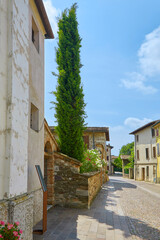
(73, 189)
(19, 209)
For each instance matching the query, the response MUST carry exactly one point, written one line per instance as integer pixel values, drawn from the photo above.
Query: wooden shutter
(158, 149)
(137, 154)
(86, 140)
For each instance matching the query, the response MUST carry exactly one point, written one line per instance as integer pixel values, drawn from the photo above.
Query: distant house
(145, 153)
(109, 163)
(156, 126)
(94, 137)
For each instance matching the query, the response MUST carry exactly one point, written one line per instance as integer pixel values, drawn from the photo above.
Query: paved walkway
(113, 215)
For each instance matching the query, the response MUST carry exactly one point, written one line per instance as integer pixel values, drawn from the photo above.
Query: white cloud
(136, 122)
(149, 54)
(137, 81)
(52, 13)
(119, 135)
(148, 64)
(116, 128)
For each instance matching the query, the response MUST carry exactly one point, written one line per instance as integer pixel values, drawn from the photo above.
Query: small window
(154, 152)
(147, 171)
(137, 154)
(35, 35)
(153, 132)
(137, 138)
(107, 158)
(34, 117)
(147, 153)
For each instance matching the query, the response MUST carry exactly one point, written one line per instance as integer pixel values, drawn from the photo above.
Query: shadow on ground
(74, 224)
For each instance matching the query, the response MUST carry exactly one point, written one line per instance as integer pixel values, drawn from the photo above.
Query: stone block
(81, 192)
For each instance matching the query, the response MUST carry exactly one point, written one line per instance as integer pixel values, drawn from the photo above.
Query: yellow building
(156, 126)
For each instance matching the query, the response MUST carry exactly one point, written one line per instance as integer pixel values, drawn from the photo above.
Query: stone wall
(4, 210)
(37, 206)
(19, 209)
(73, 189)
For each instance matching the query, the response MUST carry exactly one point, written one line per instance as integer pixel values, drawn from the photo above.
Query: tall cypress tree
(69, 104)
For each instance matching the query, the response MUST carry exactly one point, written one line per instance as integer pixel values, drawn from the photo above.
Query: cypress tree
(69, 105)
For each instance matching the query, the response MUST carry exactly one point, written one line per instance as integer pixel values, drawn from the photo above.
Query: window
(147, 171)
(34, 117)
(86, 140)
(137, 154)
(154, 152)
(137, 138)
(107, 158)
(147, 153)
(35, 35)
(153, 132)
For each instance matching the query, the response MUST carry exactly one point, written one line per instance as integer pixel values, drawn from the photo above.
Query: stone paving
(122, 210)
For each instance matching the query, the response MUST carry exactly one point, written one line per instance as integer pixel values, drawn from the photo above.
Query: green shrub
(92, 161)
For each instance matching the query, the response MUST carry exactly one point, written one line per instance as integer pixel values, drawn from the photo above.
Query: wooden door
(143, 174)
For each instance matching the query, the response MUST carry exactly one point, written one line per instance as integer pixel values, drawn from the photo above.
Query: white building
(23, 27)
(145, 153)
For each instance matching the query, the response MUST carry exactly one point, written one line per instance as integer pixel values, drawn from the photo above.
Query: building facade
(145, 153)
(23, 27)
(96, 137)
(109, 160)
(156, 126)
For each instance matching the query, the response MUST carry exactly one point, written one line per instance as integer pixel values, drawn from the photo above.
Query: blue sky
(121, 57)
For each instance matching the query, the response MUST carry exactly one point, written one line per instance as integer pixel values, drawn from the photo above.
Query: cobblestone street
(124, 209)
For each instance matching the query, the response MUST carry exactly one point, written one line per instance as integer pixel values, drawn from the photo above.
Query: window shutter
(86, 140)
(158, 149)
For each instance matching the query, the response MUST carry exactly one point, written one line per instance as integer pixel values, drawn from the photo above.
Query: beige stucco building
(110, 168)
(23, 27)
(145, 153)
(96, 137)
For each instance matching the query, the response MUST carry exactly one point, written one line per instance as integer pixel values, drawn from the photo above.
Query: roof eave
(42, 12)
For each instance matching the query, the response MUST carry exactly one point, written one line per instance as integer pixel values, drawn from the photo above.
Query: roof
(145, 126)
(92, 129)
(113, 157)
(44, 17)
(156, 124)
(99, 129)
(109, 146)
(125, 157)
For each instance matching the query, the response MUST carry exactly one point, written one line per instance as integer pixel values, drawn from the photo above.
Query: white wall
(36, 96)
(145, 141)
(15, 103)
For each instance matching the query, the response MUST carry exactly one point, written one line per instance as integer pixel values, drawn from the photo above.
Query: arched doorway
(49, 172)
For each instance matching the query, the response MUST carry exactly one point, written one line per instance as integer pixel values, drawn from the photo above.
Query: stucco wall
(145, 141)
(14, 69)
(36, 97)
(3, 91)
